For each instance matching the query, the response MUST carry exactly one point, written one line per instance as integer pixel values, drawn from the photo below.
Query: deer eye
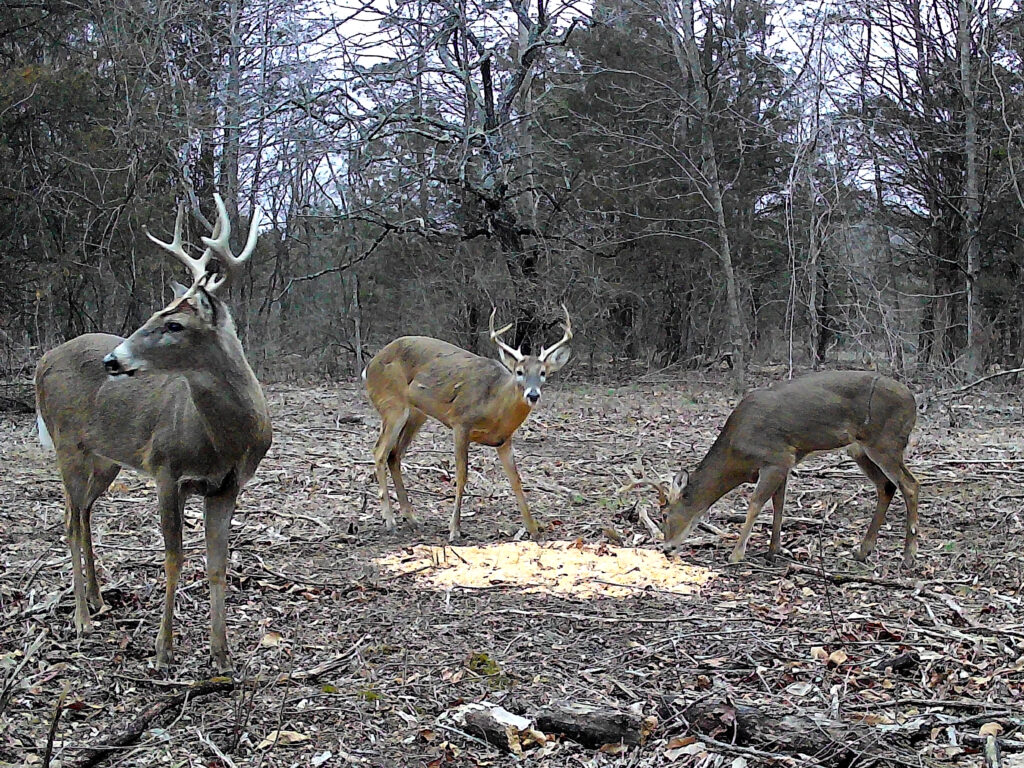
(519, 372)
(173, 327)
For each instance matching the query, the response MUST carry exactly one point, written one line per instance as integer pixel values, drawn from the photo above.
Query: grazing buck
(772, 430)
(176, 400)
(478, 398)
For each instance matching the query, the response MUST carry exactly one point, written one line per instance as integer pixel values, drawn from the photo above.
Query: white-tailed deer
(478, 398)
(771, 430)
(176, 400)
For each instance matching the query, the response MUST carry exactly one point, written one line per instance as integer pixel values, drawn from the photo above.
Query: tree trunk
(972, 201)
(684, 44)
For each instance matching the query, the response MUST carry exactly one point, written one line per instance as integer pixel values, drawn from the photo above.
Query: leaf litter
(340, 639)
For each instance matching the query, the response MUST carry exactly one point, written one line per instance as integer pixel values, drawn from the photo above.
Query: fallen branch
(148, 717)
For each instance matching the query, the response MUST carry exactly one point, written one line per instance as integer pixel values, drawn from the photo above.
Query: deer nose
(111, 364)
(533, 396)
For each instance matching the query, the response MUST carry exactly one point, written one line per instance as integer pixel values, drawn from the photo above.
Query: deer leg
(885, 490)
(412, 426)
(508, 461)
(218, 511)
(73, 528)
(172, 506)
(100, 479)
(390, 429)
(768, 480)
(892, 464)
(75, 481)
(778, 501)
(461, 468)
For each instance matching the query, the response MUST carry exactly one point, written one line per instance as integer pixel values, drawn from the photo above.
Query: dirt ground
(360, 646)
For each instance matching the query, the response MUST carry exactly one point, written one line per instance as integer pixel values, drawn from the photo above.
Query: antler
(219, 243)
(198, 266)
(567, 336)
(519, 356)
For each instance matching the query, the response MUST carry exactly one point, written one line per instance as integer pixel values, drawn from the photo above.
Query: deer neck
(518, 409)
(715, 476)
(226, 394)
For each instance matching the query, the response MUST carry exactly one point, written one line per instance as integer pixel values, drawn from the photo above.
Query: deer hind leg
(219, 509)
(390, 428)
(890, 460)
(508, 461)
(85, 478)
(885, 489)
(778, 502)
(102, 475)
(768, 480)
(461, 469)
(412, 426)
(172, 506)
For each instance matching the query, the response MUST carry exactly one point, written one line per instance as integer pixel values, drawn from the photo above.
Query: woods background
(698, 181)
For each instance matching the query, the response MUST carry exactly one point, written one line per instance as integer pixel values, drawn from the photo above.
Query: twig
(973, 384)
(48, 754)
(111, 743)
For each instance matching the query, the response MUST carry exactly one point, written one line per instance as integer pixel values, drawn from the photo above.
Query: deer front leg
(768, 480)
(461, 469)
(508, 461)
(219, 509)
(172, 505)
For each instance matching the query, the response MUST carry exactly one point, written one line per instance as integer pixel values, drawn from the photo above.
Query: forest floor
(358, 646)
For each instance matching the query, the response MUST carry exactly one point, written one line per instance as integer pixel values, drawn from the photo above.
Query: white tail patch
(44, 433)
(363, 374)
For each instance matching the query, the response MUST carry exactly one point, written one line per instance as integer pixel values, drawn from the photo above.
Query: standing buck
(478, 398)
(772, 430)
(176, 400)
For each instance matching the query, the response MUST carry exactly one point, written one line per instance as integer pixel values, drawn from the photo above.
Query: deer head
(530, 371)
(175, 336)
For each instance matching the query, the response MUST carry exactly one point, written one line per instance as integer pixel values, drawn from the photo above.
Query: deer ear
(559, 358)
(678, 484)
(206, 307)
(179, 289)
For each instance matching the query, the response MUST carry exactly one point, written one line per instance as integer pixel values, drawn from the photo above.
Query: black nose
(533, 397)
(111, 364)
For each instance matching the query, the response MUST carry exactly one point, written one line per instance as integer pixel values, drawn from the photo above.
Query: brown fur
(771, 430)
(478, 398)
(194, 418)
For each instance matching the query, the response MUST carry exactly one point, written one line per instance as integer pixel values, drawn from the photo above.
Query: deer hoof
(454, 536)
(83, 625)
(736, 556)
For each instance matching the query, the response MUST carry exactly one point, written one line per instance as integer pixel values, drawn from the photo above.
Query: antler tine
(220, 243)
(196, 266)
(502, 345)
(566, 337)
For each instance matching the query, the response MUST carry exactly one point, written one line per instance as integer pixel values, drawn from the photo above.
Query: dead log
(790, 734)
(594, 726)
(500, 728)
(112, 743)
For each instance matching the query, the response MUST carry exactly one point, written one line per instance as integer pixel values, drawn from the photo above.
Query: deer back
(451, 384)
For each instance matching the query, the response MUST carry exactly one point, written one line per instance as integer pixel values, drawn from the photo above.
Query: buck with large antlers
(771, 430)
(478, 398)
(176, 400)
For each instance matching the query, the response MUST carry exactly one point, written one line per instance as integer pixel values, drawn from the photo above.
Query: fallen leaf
(270, 640)
(799, 689)
(837, 658)
(282, 738)
(990, 729)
